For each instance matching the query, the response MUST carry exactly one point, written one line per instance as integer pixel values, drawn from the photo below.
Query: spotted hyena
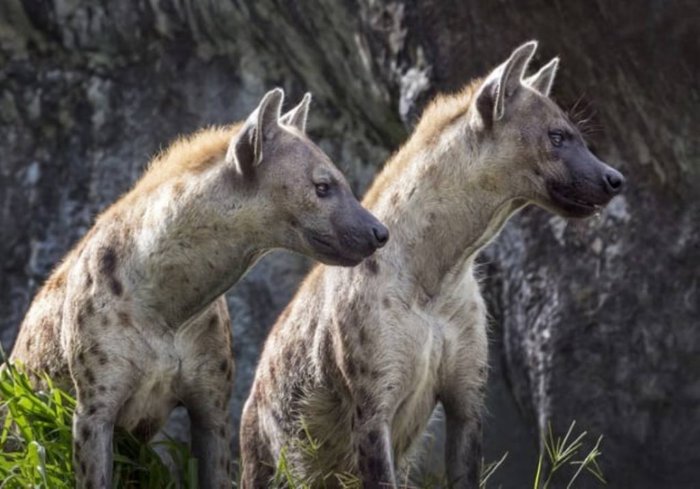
(134, 317)
(361, 357)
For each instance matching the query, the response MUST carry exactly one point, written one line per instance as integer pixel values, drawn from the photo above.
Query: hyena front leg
(99, 399)
(375, 454)
(211, 440)
(463, 446)
(92, 449)
(256, 462)
(463, 451)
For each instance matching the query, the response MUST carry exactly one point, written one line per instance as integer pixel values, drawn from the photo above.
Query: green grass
(559, 453)
(36, 450)
(563, 459)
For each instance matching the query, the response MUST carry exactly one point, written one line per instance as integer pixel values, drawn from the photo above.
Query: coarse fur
(360, 357)
(134, 317)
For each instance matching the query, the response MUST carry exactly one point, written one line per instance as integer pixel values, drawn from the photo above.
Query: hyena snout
(364, 234)
(589, 186)
(614, 181)
(367, 235)
(380, 235)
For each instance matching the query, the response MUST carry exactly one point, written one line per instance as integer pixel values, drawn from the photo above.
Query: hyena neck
(447, 205)
(196, 241)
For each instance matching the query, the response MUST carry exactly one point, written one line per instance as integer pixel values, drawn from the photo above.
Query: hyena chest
(420, 385)
(154, 393)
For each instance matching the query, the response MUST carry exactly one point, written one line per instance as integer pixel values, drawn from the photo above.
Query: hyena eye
(322, 189)
(556, 137)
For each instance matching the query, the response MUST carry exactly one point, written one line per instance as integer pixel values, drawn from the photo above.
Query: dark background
(593, 321)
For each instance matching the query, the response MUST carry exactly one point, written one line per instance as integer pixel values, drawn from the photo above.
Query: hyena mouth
(322, 243)
(329, 254)
(573, 205)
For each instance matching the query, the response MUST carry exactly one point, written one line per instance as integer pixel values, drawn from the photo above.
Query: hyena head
(534, 144)
(308, 201)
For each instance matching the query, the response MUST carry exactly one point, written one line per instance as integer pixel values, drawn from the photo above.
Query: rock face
(594, 321)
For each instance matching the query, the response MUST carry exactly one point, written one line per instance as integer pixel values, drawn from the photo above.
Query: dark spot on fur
(350, 367)
(363, 369)
(89, 376)
(85, 433)
(29, 343)
(89, 485)
(108, 266)
(89, 308)
(116, 287)
(88, 279)
(223, 366)
(101, 389)
(373, 436)
(362, 335)
(358, 413)
(213, 322)
(372, 266)
(124, 318)
(102, 359)
(108, 261)
(83, 468)
(386, 302)
(80, 319)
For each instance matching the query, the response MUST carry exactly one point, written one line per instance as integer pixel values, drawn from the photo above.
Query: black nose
(381, 235)
(614, 181)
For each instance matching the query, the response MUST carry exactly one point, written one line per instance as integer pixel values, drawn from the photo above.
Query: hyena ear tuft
(503, 82)
(245, 150)
(543, 80)
(296, 117)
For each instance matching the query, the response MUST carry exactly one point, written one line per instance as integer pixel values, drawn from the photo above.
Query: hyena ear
(503, 82)
(543, 80)
(245, 150)
(296, 117)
